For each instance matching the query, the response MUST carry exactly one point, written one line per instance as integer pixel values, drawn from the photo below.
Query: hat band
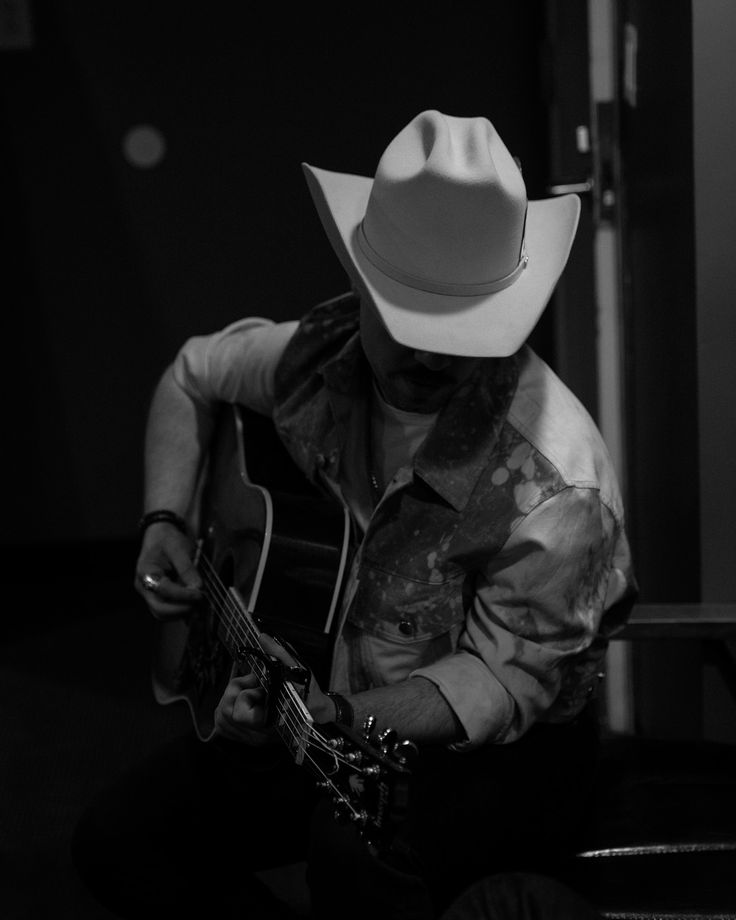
(438, 287)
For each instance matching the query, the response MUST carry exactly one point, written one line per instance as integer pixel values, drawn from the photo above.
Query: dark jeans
(184, 831)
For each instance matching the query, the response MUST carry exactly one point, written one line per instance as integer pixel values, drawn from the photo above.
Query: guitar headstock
(366, 775)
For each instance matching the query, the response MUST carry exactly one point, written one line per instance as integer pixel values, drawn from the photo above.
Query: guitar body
(279, 549)
(273, 556)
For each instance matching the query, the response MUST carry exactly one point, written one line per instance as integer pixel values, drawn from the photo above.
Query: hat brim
(488, 325)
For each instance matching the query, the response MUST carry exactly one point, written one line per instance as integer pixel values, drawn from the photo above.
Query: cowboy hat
(443, 239)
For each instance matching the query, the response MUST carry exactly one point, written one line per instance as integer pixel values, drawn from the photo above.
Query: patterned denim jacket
(503, 537)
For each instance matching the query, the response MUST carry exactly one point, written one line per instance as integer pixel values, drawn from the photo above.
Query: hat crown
(448, 202)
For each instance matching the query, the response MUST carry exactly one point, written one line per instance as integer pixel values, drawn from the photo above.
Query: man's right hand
(165, 575)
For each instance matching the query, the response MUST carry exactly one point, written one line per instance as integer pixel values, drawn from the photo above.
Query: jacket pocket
(405, 609)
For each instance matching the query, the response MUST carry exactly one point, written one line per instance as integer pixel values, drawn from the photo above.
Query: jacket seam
(547, 498)
(525, 430)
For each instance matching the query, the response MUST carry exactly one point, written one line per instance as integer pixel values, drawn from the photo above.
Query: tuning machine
(344, 813)
(387, 740)
(405, 752)
(368, 725)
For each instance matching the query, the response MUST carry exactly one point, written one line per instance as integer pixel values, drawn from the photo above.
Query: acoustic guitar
(273, 555)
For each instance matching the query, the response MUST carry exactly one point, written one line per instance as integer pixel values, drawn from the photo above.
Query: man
(492, 562)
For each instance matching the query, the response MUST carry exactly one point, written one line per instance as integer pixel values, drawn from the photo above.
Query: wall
(108, 267)
(658, 286)
(678, 145)
(714, 91)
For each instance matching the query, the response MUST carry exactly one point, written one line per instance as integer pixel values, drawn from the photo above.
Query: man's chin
(419, 399)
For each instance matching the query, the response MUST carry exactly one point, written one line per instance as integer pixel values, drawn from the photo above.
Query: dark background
(109, 267)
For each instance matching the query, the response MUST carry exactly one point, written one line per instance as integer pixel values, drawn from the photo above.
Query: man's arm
(234, 365)
(414, 708)
(177, 435)
(528, 639)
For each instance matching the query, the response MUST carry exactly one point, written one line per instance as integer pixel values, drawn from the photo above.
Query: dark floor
(75, 706)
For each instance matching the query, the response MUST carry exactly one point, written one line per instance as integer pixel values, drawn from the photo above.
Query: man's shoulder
(332, 317)
(323, 328)
(556, 424)
(321, 335)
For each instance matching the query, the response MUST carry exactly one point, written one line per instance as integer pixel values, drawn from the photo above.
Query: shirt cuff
(463, 680)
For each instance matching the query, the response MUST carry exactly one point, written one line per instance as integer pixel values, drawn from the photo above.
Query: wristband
(344, 713)
(163, 515)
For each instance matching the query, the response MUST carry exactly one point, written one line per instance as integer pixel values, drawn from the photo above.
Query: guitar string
(294, 727)
(294, 721)
(231, 615)
(225, 606)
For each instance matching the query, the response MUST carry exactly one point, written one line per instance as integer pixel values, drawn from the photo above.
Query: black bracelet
(344, 713)
(161, 515)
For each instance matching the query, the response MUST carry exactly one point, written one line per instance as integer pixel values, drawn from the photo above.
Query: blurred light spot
(144, 146)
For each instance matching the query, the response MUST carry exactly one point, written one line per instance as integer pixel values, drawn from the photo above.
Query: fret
(237, 631)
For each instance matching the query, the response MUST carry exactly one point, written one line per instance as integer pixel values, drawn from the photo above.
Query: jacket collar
(458, 447)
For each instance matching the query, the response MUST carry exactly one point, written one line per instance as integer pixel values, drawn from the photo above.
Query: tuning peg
(406, 751)
(372, 771)
(368, 727)
(359, 817)
(342, 811)
(387, 738)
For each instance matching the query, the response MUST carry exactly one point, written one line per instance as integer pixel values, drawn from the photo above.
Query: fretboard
(241, 637)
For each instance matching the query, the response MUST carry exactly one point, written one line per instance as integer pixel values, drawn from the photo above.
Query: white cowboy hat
(444, 240)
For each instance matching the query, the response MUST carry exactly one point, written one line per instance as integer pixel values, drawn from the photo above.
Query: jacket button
(406, 627)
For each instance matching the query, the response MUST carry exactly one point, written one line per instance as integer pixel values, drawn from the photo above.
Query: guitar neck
(242, 639)
(285, 550)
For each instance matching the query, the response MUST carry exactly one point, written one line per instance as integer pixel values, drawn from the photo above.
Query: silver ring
(151, 582)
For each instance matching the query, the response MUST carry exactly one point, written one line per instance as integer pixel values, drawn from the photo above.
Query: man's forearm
(415, 708)
(177, 436)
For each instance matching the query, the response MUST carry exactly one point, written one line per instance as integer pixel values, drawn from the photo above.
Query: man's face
(415, 381)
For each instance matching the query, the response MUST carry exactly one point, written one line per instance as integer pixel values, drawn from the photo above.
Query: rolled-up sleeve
(536, 609)
(235, 365)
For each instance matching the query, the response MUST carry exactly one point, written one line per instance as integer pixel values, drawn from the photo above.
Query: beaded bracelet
(344, 713)
(161, 515)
